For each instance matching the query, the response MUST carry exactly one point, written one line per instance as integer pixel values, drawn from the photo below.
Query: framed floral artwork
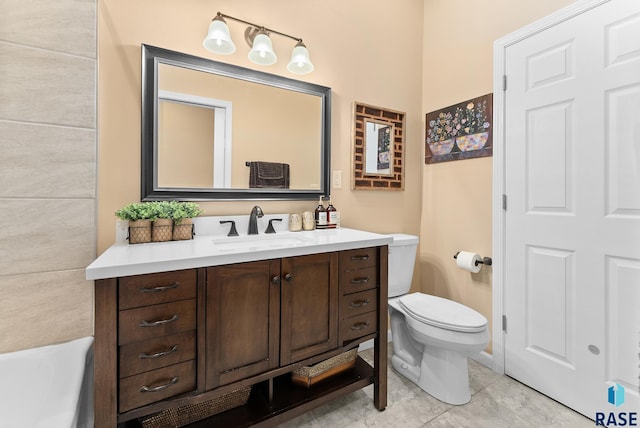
(460, 131)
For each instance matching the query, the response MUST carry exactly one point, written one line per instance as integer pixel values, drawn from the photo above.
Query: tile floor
(497, 401)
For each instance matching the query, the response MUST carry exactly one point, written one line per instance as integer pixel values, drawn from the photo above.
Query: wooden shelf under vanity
(288, 401)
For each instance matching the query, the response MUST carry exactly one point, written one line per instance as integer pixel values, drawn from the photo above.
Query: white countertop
(123, 259)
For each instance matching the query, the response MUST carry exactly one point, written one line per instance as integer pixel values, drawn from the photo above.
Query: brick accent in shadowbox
(362, 180)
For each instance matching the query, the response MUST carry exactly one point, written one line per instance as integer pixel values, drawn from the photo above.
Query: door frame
(498, 175)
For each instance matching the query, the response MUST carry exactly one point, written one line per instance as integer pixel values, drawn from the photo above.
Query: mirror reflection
(267, 124)
(378, 137)
(216, 131)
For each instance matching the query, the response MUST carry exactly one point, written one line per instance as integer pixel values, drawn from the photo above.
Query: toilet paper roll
(467, 261)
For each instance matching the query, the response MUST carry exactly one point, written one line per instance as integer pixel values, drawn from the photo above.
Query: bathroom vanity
(183, 323)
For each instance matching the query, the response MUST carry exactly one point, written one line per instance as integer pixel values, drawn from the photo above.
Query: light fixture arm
(258, 27)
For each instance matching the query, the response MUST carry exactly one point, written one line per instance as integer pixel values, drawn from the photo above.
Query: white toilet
(432, 337)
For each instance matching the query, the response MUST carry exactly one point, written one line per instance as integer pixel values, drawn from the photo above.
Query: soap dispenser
(321, 215)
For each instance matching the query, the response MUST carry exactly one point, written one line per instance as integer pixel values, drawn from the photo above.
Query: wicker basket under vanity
(190, 413)
(310, 375)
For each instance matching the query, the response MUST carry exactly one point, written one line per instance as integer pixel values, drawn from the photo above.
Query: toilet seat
(442, 313)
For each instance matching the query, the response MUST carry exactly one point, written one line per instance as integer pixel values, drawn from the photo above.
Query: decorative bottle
(332, 216)
(321, 215)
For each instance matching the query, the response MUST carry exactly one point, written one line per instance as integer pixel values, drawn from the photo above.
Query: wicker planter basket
(139, 231)
(183, 230)
(162, 230)
(309, 375)
(185, 415)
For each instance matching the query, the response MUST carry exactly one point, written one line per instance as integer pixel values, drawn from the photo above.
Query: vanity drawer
(154, 288)
(152, 354)
(145, 388)
(358, 258)
(355, 280)
(358, 326)
(358, 303)
(154, 321)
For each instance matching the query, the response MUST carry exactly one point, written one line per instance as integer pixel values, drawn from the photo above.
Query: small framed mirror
(378, 148)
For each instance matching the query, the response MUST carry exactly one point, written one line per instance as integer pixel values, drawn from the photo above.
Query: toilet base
(443, 374)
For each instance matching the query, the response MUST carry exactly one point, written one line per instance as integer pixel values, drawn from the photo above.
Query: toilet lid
(443, 313)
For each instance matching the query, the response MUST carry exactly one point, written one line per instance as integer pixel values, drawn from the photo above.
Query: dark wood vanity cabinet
(170, 339)
(156, 337)
(358, 293)
(309, 312)
(266, 314)
(242, 322)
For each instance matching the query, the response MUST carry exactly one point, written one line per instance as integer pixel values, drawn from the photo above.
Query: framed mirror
(215, 131)
(378, 148)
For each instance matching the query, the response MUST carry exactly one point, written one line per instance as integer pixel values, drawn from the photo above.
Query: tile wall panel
(44, 308)
(62, 25)
(39, 235)
(47, 170)
(47, 87)
(43, 160)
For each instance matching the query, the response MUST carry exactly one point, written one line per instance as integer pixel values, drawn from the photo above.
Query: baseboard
(483, 358)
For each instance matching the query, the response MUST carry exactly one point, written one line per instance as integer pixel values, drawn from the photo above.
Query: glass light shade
(300, 62)
(262, 52)
(218, 39)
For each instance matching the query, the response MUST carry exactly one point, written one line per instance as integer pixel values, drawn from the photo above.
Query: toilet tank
(402, 258)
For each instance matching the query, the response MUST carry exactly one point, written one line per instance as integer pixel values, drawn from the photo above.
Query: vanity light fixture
(219, 41)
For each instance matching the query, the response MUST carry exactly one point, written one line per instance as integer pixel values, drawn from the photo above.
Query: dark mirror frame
(151, 57)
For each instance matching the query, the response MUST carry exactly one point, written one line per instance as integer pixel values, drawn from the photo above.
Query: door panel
(572, 178)
(622, 320)
(309, 316)
(242, 329)
(549, 317)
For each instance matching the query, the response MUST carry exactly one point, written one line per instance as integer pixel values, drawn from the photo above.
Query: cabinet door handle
(275, 280)
(361, 280)
(145, 356)
(159, 322)
(288, 277)
(160, 387)
(160, 288)
(360, 326)
(359, 303)
(365, 257)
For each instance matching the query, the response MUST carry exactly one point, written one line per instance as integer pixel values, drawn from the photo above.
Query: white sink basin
(261, 242)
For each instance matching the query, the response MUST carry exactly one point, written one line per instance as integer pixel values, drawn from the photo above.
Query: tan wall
(456, 199)
(350, 53)
(48, 128)
(47, 171)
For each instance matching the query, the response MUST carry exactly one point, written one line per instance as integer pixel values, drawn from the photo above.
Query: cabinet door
(242, 325)
(309, 313)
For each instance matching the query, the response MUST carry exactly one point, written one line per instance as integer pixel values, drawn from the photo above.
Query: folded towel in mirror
(268, 174)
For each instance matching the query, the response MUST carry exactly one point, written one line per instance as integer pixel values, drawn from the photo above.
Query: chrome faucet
(256, 213)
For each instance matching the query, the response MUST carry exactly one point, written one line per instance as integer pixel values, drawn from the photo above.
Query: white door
(572, 223)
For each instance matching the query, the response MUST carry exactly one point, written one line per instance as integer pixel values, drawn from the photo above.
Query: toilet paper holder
(485, 260)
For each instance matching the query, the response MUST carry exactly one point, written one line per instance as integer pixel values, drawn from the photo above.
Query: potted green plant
(138, 215)
(183, 214)
(162, 221)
